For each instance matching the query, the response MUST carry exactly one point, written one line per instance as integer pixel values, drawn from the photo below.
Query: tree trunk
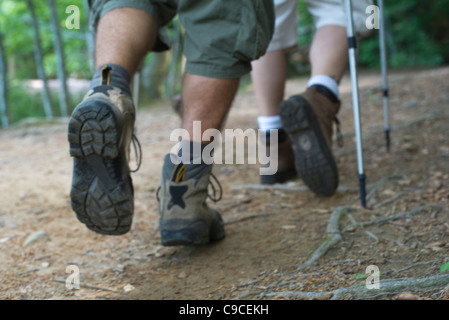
(39, 61)
(90, 39)
(4, 114)
(59, 51)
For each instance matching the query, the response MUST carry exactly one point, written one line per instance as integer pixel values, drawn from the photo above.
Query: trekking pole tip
(362, 187)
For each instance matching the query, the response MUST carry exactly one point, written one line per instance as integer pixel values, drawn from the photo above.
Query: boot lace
(137, 152)
(211, 193)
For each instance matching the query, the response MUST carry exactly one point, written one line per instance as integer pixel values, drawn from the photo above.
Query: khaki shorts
(324, 12)
(221, 37)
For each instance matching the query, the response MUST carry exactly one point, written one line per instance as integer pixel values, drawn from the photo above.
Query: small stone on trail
(128, 288)
(119, 268)
(406, 296)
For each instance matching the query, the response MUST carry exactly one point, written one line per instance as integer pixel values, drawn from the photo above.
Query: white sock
(269, 122)
(325, 81)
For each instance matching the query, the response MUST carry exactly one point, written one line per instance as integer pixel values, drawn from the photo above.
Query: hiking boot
(286, 159)
(185, 217)
(100, 133)
(308, 118)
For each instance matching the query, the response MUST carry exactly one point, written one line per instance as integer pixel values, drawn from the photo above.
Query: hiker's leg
(101, 126)
(329, 48)
(268, 76)
(215, 61)
(329, 52)
(208, 100)
(124, 37)
(328, 56)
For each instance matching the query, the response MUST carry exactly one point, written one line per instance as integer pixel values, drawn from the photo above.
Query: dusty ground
(269, 232)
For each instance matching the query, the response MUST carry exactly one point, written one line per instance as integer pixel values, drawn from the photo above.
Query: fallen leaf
(38, 235)
(182, 275)
(445, 267)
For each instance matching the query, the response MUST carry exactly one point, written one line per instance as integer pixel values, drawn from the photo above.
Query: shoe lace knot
(214, 193)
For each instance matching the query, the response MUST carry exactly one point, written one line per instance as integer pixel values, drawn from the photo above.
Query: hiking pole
(352, 46)
(383, 65)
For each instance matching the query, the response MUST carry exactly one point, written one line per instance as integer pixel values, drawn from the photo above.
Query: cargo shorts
(221, 37)
(324, 13)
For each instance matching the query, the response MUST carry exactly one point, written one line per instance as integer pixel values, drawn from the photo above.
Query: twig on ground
(360, 290)
(283, 187)
(393, 217)
(380, 183)
(410, 266)
(352, 219)
(87, 286)
(263, 214)
(238, 204)
(392, 199)
(372, 235)
(28, 271)
(335, 237)
(270, 187)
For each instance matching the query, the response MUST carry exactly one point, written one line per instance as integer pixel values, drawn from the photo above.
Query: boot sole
(313, 160)
(176, 232)
(102, 202)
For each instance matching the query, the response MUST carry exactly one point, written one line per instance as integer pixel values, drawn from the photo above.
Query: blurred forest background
(46, 56)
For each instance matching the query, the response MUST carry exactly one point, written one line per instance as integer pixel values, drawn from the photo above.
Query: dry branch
(335, 237)
(360, 290)
(380, 183)
(283, 187)
(263, 214)
(87, 286)
(388, 201)
(393, 217)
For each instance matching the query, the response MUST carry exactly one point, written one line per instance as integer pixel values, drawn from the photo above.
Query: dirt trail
(269, 232)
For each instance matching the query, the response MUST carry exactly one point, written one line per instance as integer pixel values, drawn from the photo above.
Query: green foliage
(417, 35)
(444, 267)
(15, 24)
(411, 42)
(305, 26)
(25, 105)
(360, 276)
